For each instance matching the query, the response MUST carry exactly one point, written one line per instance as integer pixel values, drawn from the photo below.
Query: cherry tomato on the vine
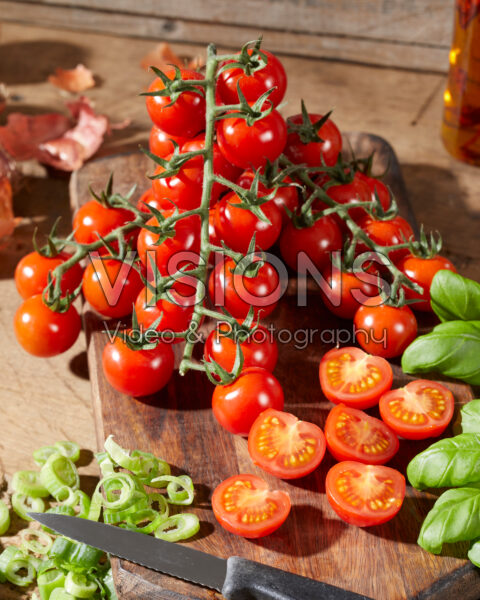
(314, 154)
(238, 404)
(31, 274)
(43, 332)
(148, 199)
(353, 435)
(352, 377)
(422, 409)
(384, 330)
(348, 291)
(284, 446)
(250, 146)
(348, 193)
(364, 495)
(244, 505)
(93, 219)
(376, 185)
(387, 233)
(186, 116)
(161, 143)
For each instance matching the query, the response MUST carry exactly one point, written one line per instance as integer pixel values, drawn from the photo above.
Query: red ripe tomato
(378, 186)
(238, 404)
(284, 446)
(244, 505)
(317, 242)
(347, 193)
(353, 435)
(352, 377)
(111, 286)
(285, 197)
(31, 274)
(364, 495)
(251, 146)
(259, 350)
(184, 189)
(93, 219)
(237, 293)
(253, 86)
(236, 226)
(348, 291)
(387, 233)
(184, 117)
(314, 153)
(186, 239)
(43, 332)
(384, 330)
(422, 271)
(148, 198)
(137, 372)
(160, 143)
(422, 409)
(175, 315)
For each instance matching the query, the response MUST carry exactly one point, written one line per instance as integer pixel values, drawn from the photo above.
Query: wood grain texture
(414, 34)
(382, 562)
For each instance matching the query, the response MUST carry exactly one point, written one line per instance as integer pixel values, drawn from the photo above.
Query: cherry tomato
(348, 291)
(284, 446)
(384, 330)
(286, 196)
(175, 315)
(387, 233)
(259, 350)
(347, 193)
(244, 505)
(316, 242)
(364, 495)
(422, 271)
(378, 186)
(31, 274)
(353, 435)
(314, 154)
(137, 372)
(236, 226)
(250, 146)
(43, 332)
(352, 377)
(420, 410)
(238, 404)
(148, 198)
(186, 239)
(184, 117)
(184, 189)
(93, 219)
(237, 293)
(161, 143)
(111, 286)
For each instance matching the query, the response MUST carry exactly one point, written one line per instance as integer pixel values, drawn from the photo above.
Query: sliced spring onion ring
(49, 581)
(4, 518)
(41, 455)
(6, 557)
(79, 585)
(139, 501)
(122, 457)
(41, 545)
(61, 594)
(18, 564)
(75, 556)
(119, 490)
(179, 489)
(107, 466)
(28, 483)
(23, 504)
(69, 449)
(58, 474)
(150, 517)
(178, 527)
(79, 500)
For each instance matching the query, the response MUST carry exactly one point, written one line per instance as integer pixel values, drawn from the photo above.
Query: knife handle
(249, 580)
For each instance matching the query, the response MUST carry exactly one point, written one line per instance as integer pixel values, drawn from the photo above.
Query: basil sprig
(455, 298)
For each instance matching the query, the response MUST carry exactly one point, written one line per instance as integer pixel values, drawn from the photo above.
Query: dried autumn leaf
(73, 80)
(162, 57)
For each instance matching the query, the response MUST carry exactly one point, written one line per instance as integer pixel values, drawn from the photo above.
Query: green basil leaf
(452, 349)
(454, 297)
(471, 417)
(451, 462)
(474, 552)
(455, 517)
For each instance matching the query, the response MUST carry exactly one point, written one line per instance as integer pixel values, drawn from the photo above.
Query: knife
(236, 578)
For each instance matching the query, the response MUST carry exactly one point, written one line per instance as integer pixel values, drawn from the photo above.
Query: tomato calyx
(426, 247)
(173, 88)
(52, 297)
(138, 338)
(109, 199)
(308, 131)
(250, 59)
(53, 245)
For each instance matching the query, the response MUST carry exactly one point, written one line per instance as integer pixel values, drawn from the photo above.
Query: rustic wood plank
(383, 562)
(379, 51)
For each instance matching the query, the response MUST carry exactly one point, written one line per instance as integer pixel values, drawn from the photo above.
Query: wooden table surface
(41, 400)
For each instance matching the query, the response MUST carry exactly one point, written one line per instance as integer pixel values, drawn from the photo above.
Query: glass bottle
(461, 116)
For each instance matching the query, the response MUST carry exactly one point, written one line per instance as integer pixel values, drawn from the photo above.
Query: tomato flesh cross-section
(364, 495)
(244, 505)
(420, 410)
(352, 376)
(351, 434)
(284, 446)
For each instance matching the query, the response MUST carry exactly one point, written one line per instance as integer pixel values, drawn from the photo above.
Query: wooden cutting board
(177, 424)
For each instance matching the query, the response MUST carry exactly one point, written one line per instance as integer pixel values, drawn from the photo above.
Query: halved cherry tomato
(284, 446)
(244, 505)
(364, 495)
(353, 435)
(314, 153)
(353, 377)
(420, 410)
(161, 143)
(348, 291)
(238, 404)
